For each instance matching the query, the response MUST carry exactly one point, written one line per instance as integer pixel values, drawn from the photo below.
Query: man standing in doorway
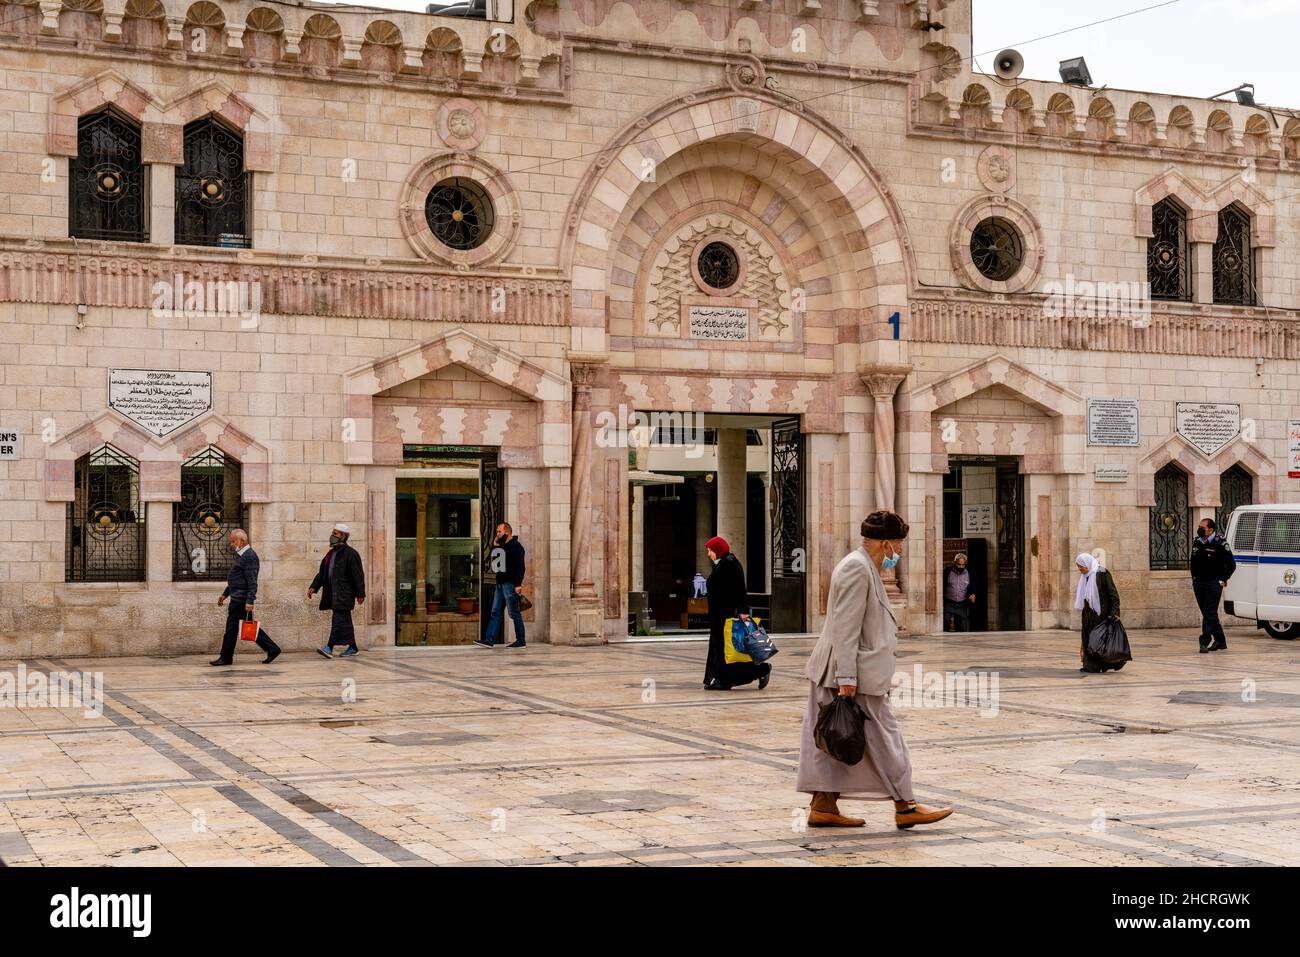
(342, 583)
(957, 596)
(1212, 565)
(509, 586)
(241, 589)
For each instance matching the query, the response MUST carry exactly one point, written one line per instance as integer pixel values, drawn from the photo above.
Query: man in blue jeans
(505, 597)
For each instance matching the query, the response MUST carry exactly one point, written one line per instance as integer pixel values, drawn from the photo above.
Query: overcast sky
(1190, 47)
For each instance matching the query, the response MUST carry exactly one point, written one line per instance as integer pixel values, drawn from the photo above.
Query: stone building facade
(397, 238)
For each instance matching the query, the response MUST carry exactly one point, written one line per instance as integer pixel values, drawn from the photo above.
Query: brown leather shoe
(919, 814)
(832, 819)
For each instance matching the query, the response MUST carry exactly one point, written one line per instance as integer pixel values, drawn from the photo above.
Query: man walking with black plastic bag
(241, 589)
(1212, 565)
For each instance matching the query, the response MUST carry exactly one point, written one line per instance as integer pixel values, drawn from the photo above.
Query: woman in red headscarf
(728, 598)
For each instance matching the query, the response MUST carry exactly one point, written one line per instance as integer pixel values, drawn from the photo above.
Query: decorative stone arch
(769, 123)
(160, 458)
(1237, 190)
(1249, 457)
(1066, 410)
(1202, 478)
(463, 348)
(1026, 223)
(1202, 224)
(215, 98)
(108, 88)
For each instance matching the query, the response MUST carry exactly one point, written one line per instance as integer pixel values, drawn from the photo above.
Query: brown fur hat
(884, 525)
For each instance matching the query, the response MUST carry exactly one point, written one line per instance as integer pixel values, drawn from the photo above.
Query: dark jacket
(241, 580)
(1109, 596)
(345, 583)
(954, 570)
(1212, 559)
(514, 573)
(727, 597)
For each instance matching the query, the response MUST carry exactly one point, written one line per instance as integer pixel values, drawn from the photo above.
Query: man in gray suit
(854, 657)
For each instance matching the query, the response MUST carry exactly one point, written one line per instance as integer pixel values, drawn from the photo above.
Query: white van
(1265, 541)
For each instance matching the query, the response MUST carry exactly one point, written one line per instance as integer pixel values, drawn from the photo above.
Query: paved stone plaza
(570, 755)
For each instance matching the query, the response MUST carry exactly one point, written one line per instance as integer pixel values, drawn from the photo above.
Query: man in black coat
(1212, 565)
(505, 596)
(342, 584)
(728, 598)
(241, 589)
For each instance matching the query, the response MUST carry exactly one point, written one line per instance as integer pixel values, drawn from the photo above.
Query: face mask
(891, 561)
(1202, 533)
(336, 540)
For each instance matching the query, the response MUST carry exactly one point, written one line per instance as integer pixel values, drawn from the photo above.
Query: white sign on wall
(1208, 425)
(159, 401)
(11, 444)
(1110, 473)
(719, 323)
(1113, 422)
(979, 520)
(1293, 466)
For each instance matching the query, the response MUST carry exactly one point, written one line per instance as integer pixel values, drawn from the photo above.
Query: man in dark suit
(241, 589)
(1212, 565)
(342, 584)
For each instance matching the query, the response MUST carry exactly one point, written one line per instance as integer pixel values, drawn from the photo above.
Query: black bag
(841, 730)
(1108, 642)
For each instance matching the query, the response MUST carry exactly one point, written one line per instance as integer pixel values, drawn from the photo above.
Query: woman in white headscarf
(1098, 599)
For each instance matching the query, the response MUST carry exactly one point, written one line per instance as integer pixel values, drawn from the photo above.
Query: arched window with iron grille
(211, 507)
(106, 522)
(1169, 253)
(1236, 487)
(1234, 259)
(107, 188)
(1169, 534)
(212, 188)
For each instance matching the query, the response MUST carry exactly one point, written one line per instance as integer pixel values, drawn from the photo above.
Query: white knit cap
(340, 527)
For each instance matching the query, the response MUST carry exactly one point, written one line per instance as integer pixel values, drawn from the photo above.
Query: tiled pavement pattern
(566, 755)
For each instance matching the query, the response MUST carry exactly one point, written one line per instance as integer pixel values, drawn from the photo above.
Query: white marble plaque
(159, 401)
(1113, 422)
(1208, 425)
(1110, 473)
(11, 444)
(979, 520)
(718, 323)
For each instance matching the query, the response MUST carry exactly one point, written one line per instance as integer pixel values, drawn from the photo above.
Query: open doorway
(448, 503)
(738, 476)
(983, 519)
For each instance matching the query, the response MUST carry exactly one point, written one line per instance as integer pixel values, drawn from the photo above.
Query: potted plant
(467, 602)
(431, 600)
(405, 604)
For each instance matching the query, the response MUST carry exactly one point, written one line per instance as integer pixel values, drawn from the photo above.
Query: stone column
(421, 550)
(732, 466)
(586, 603)
(705, 523)
(882, 381)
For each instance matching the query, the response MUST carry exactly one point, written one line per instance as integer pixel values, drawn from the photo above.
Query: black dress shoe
(767, 676)
(1219, 646)
(271, 656)
(220, 662)
(1204, 649)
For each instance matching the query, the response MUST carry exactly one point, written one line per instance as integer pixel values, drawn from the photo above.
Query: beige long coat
(860, 637)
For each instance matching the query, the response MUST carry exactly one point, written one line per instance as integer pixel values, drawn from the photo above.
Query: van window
(1279, 533)
(1243, 536)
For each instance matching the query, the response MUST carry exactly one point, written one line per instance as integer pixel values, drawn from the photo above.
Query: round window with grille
(459, 212)
(718, 265)
(997, 249)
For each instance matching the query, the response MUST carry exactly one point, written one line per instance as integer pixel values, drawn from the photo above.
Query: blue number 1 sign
(897, 322)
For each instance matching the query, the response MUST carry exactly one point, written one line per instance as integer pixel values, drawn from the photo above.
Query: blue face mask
(891, 561)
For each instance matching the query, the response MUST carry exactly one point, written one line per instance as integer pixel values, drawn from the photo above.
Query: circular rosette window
(997, 245)
(458, 210)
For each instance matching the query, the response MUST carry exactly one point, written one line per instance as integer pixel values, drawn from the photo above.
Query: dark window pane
(106, 183)
(212, 188)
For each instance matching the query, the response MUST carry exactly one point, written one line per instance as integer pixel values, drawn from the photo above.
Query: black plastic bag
(1108, 643)
(841, 730)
